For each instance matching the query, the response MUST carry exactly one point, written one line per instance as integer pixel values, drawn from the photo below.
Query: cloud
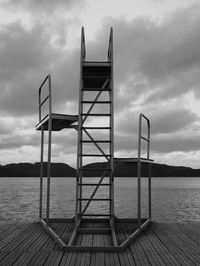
(42, 5)
(177, 143)
(162, 58)
(155, 66)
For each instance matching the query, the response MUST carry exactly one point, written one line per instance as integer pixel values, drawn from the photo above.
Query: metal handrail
(110, 45)
(141, 137)
(41, 102)
(83, 50)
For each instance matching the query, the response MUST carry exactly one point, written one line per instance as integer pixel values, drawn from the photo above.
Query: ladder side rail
(78, 205)
(111, 93)
(80, 122)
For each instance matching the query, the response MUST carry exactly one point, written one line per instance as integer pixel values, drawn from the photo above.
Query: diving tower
(95, 139)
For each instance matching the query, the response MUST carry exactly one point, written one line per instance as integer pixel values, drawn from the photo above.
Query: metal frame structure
(96, 77)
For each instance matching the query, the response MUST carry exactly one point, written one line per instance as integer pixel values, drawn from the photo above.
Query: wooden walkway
(160, 244)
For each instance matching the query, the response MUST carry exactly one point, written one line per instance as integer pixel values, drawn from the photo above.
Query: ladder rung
(96, 199)
(94, 230)
(92, 184)
(95, 155)
(95, 77)
(96, 114)
(98, 102)
(96, 141)
(96, 169)
(96, 128)
(96, 89)
(96, 214)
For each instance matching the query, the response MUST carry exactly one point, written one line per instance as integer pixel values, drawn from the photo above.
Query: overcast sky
(156, 72)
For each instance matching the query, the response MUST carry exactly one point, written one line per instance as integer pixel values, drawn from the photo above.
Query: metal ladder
(96, 90)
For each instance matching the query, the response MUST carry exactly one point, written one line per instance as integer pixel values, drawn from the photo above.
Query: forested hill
(121, 170)
(33, 170)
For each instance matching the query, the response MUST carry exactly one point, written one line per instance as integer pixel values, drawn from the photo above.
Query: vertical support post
(112, 127)
(49, 154)
(112, 211)
(78, 207)
(41, 171)
(149, 185)
(139, 171)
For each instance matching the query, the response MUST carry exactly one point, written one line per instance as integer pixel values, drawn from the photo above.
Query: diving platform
(59, 122)
(96, 102)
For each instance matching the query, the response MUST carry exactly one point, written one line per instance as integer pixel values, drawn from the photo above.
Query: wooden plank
(161, 244)
(187, 245)
(13, 235)
(7, 229)
(39, 258)
(154, 245)
(66, 259)
(126, 257)
(18, 253)
(138, 255)
(54, 258)
(162, 232)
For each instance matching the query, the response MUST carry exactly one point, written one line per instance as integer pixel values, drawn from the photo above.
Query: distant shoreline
(122, 169)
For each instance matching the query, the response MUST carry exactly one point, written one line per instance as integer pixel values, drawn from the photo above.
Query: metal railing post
(147, 139)
(49, 154)
(41, 171)
(139, 171)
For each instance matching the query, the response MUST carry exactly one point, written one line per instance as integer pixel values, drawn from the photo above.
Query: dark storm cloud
(171, 120)
(176, 143)
(26, 56)
(161, 59)
(164, 57)
(42, 5)
(167, 119)
(153, 63)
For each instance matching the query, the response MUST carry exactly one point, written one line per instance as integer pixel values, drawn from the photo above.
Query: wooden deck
(159, 244)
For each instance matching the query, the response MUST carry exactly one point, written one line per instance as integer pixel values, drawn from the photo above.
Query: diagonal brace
(98, 147)
(95, 100)
(94, 192)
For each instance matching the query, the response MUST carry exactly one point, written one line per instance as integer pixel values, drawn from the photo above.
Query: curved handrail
(41, 102)
(83, 50)
(141, 137)
(110, 45)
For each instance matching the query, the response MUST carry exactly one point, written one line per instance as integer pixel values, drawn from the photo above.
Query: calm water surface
(173, 199)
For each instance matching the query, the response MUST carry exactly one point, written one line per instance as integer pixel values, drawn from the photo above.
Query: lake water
(173, 199)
